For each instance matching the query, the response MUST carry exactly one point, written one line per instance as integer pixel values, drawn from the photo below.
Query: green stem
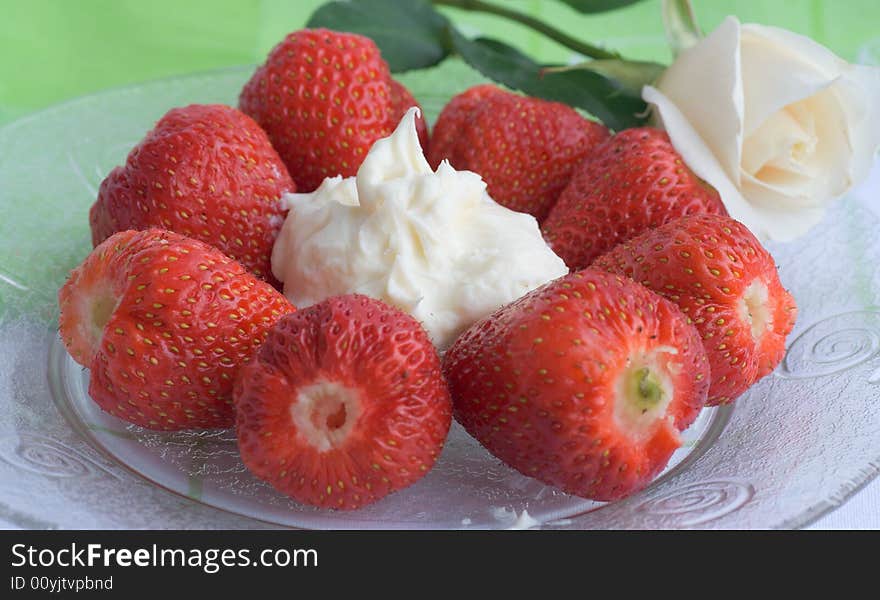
(680, 24)
(551, 32)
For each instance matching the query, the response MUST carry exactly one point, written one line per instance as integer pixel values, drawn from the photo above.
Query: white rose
(777, 123)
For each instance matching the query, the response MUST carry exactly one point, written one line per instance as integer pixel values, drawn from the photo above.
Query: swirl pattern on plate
(834, 344)
(44, 456)
(698, 503)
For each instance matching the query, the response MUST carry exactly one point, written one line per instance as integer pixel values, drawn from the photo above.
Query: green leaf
(630, 74)
(607, 99)
(409, 33)
(597, 6)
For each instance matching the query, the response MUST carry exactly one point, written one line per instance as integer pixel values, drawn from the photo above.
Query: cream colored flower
(776, 122)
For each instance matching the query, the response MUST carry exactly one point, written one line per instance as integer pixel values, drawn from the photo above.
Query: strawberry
(323, 97)
(524, 148)
(726, 283)
(583, 383)
(452, 120)
(344, 404)
(204, 171)
(633, 182)
(164, 322)
(401, 101)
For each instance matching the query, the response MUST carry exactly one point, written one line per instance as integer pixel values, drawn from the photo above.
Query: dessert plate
(795, 446)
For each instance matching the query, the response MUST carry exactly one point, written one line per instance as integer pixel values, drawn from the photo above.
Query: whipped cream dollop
(432, 243)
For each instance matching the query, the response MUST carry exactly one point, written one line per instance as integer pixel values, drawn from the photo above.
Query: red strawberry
(204, 171)
(344, 404)
(524, 148)
(401, 101)
(633, 182)
(726, 283)
(584, 383)
(451, 122)
(164, 322)
(323, 97)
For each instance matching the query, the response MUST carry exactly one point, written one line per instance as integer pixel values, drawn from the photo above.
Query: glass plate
(798, 444)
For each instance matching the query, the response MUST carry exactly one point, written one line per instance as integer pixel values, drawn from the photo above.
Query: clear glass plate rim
(121, 88)
(63, 401)
(124, 87)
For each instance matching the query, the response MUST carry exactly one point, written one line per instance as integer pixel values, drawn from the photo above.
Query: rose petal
(777, 123)
(858, 87)
(859, 91)
(801, 47)
(697, 155)
(773, 143)
(704, 83)
(809, 176)
(774, 76)
(780, 225)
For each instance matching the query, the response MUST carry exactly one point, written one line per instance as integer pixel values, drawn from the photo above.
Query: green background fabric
(51, 50)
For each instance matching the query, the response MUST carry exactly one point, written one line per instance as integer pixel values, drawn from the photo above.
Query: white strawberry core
(644, 391)
(95, 309)
(754, 310)
(325, 413)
